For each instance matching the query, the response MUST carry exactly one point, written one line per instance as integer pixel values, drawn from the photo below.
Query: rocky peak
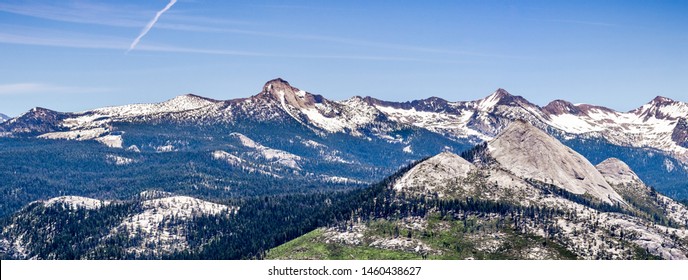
(497, 96)
(560, 107)
(281, 91)
(500, 93)
(616, 171)
(662, 108)
(529, 152)
(276, 85)
(661, 100)
(501, 97)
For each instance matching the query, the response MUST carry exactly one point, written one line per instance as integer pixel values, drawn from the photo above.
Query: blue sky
(74, 55)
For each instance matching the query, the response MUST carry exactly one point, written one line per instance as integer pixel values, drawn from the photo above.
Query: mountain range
(194, 177)
(660, 124)
(652, 139)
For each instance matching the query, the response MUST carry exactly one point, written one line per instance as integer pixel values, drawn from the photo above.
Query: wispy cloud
(79, 12)
(120, 15)
(151, 24)
(102, 14)
(43, 88)
(46, 37)
(41, 37)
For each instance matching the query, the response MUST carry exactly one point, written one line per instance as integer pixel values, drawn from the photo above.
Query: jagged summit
(529, 152)
(501, 97)
(496, 97)
(662, 108)
(500, 93)
(662, 100)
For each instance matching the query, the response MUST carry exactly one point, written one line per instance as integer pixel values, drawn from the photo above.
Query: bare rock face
(616, 171)
(680, 133)
(530, 153)
(560, 107)
(434, 174)
(282, 91)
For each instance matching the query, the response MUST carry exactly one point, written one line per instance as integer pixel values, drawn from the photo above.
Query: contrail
(150, 25)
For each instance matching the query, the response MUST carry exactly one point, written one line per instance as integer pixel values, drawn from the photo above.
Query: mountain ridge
(656, 128)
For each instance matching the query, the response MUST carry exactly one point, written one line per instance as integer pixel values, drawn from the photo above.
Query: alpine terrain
(194, 177)
(522, 195)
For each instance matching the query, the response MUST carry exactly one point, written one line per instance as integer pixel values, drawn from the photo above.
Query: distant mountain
(659, 124)
(523, 195)
(3, 117)
(371, 137)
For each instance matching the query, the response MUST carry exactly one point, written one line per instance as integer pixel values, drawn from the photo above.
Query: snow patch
(75, 202)
(408, 149)
(165, 149)
(119, 160)
(112, 141)
(669, 166)
(282, 157)
(227, 157)
(154, 224)
(81, 134)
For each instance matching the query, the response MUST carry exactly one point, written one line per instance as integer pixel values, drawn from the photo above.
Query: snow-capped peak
(493, 99)
(501, 97)
(191, 98)
(499, 94)
(177, 104)
(186, 102)
(662, 108)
